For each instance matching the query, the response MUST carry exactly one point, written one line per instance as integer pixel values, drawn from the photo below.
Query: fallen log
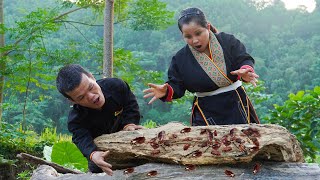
(202, 145)
(38, 161)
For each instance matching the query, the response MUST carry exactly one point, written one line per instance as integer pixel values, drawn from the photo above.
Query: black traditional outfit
(119, 110)
(219, 96)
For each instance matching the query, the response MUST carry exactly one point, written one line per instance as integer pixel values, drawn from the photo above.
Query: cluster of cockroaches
(233, 137)
(192, 167)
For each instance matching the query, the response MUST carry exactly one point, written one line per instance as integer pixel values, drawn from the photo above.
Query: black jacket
(86, 124)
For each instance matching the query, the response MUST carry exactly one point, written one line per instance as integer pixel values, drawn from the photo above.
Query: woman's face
(196, 36)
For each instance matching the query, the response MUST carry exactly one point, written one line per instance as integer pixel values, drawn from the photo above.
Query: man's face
(88, 93)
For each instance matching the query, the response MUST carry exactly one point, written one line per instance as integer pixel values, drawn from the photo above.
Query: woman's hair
(194, 15)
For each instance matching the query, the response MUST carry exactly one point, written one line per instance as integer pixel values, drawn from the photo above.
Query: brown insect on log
(256, 168)
(203, 144)
(202, 131)
(232, 131)
(216, 145)
(251, 132)
(188, 139)
(227, 149)
(197, 153)
(255, 141)
(138, 140)
(215, 133)
(210, 136)
(215, 152)
(154, 145)
(161, 135)
(186, 146)
(226, 142)
(173, 136)
(128, 170)
(185, 130)
(190, 167)
(167, 142)
(229, 173)
(155, 152)
(242, 148)
(239, 140)
(152, 173)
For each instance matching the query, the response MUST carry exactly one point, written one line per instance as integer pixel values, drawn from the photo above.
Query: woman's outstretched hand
(247, 75)
(155, 91)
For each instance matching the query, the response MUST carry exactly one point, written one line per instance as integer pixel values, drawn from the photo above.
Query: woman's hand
(157, 91)
(98, 158)
(247, 75)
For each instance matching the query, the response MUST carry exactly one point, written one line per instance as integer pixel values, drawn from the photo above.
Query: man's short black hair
(69, 78)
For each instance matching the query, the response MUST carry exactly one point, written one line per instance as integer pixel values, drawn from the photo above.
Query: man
(100, 107)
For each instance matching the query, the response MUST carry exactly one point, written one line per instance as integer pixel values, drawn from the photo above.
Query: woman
(212, 65)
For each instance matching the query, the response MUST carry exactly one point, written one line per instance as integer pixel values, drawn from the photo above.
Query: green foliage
(149, 15)
(67, 154)
(149, 124)
(300, 114)
(25, 175)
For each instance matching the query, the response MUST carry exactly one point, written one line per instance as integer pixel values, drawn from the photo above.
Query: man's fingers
(105, 154)
(148, 95)
(147, 90)
(234, 72)
(107, 170)
(153, 99)
(139, 127)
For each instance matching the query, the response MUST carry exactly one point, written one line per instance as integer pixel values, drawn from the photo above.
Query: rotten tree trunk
(202, 145)
(39, 161)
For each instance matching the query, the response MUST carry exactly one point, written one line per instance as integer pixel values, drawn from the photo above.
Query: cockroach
(210, 136)
(167, 142)
(240, 141)
(232, 131)
(255, 141)
(226, 142)
(197, 153)
(138, 140)
(251, 132)
(188, 139)
(152, 173)
(227, 149)
(216, 145)
(229, 173)
(203, 144)
(155, 152)
(202, 131)
(161, 135)
(242, 148)
(128, 170)
(185, 130)
(190, 167)
(153, 140)
(154, 145)
(215, 133)
(186, 146)
(256, 168)
(173, 136)
(215, 152)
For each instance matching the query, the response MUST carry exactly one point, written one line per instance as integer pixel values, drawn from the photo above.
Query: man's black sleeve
(80, 135)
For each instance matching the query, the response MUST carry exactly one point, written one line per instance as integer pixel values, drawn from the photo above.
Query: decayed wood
(202, 145)
(39, 161)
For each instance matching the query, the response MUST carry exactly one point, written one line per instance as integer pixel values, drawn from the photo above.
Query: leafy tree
(300, 114)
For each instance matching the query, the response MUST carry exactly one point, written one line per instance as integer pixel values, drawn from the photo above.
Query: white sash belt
(231, 87)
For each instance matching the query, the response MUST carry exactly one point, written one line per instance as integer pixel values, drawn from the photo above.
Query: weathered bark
(108, 39)
(238, 143)
(39, 161)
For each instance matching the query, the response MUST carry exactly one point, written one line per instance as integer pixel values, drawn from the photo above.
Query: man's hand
(132, 127)
(98, 158)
